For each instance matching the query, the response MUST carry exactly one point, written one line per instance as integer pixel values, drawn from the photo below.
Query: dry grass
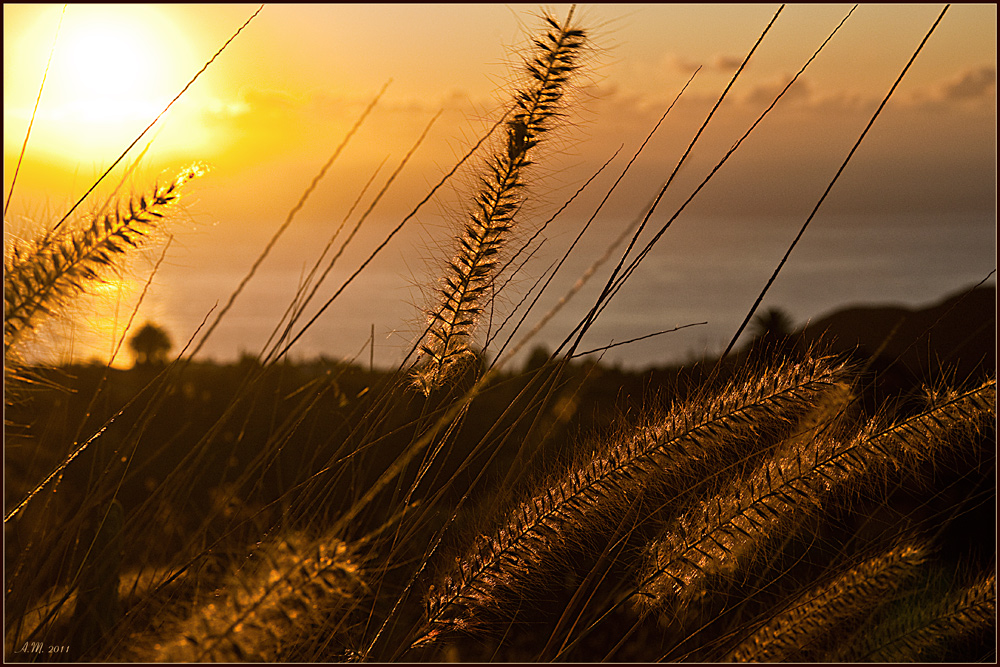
(455, 509)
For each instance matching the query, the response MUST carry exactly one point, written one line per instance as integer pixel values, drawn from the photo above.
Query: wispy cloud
(971, 84)
(765, 92)
(722, 63)
(970, 87)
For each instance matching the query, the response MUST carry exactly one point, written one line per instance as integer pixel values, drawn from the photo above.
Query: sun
(113, 69)
(109, 69)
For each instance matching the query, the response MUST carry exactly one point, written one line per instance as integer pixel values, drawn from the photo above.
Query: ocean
(705, 271)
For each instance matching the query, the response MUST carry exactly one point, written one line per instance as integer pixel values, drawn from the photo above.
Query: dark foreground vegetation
(272, 464)
(823, 495)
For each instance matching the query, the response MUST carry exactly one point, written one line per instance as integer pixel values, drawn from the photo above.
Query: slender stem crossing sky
(269, 112)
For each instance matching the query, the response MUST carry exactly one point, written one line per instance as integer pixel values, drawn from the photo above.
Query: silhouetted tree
(773, 334)
(150, 345)
(539, 357)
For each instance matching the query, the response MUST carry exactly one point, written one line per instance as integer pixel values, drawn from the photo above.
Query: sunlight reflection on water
(703, 270)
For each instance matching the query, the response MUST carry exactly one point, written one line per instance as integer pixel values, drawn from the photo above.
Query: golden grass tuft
(693, 440)
(810, 620)
(469, 276)
(286, 591)
(718, 538)
(737, 521)
(40, 275)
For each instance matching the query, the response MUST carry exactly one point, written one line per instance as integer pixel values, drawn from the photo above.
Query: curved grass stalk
(817, 614)
(694, 438)
(721, 535)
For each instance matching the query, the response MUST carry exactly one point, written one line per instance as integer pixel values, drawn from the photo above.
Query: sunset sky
(272, 108)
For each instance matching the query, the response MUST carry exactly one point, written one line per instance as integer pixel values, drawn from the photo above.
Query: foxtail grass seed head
(464, 289)
(933, 621)
(780, 510)
(693, 439)
(286, 590)
(721, 535)
(813, 618)
(39, 276)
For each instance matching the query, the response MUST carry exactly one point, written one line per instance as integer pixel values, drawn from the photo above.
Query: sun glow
(113, 69)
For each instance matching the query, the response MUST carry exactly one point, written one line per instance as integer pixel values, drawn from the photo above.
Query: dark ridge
(957, 334)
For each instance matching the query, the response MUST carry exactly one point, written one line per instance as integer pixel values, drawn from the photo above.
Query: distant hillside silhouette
(958, 334)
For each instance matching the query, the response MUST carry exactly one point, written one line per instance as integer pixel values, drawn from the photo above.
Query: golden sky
(274, 105)
(289, 86)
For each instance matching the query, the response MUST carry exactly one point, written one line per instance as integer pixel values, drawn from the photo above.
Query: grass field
(798, 497)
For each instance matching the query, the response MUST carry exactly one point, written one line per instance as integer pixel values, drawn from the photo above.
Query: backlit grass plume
(692, 441)
(286, 592)
(492, 216)
(718, 538)
(776, 504)
(924, 632)
(40, 275)
(813, 619)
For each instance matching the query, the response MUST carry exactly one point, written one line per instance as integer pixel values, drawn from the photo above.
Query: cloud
(764, 93)
(681, 64)
(219, 109)
(721, 63)
(972, 84)
(254, 108)
(805, 95)
(253, 101)
(724, 63)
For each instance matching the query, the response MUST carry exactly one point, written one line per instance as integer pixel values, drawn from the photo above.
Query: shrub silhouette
(539, 357)
(773, 334)
(151, 345)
